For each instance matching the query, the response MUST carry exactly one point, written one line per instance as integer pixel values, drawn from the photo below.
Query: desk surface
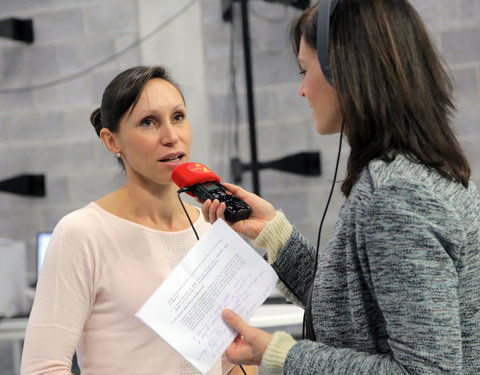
(277, 315)
(274, 315)
(13, 329)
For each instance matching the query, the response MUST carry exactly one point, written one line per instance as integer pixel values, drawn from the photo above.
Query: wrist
(273, 360)
(274, 235)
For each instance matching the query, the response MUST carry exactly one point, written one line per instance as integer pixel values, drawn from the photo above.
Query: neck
(157, 208)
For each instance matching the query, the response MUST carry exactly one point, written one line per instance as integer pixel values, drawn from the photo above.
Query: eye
(178, 116)
(147, 122)
(302, 72)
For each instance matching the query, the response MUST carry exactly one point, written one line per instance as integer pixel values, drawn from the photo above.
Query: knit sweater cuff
(274, 357)
(274, 236)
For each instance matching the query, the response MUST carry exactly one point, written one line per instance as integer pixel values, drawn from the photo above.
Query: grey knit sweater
(397, 290)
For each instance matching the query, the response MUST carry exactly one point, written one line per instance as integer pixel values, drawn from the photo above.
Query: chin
(327, 129)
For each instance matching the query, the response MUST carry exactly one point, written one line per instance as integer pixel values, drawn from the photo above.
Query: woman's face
(155, 137)
(321, 96)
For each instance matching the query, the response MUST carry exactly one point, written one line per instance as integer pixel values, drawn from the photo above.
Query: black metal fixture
(26, 184)
(305, 163)
(17, 29)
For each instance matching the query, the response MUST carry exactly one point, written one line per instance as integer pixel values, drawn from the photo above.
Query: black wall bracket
(303, 163)
(17, 29)
(26, 184)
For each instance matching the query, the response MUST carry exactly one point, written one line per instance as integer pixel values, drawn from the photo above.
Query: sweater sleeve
(411, 243)
(284, 245)
(274, 357)
(63, 301)
(274, 236)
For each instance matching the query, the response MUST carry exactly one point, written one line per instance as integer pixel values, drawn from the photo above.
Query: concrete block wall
(284, 122)
(47, 130)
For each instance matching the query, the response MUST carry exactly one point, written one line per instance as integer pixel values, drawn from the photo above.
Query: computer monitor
(42, 243)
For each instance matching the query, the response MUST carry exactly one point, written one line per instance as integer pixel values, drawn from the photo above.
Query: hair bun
(96, 120)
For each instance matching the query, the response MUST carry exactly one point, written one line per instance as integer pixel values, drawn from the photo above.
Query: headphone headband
(325, 11)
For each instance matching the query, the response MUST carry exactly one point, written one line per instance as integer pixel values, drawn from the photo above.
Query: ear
(110, 140)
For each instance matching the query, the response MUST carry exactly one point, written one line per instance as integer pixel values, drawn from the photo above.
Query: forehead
(157, 88)
(157, 95)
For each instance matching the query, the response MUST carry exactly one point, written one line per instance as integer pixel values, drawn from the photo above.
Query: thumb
(235, 321)
(235, 189)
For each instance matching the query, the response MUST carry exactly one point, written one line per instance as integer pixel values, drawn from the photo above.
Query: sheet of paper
(221, 271)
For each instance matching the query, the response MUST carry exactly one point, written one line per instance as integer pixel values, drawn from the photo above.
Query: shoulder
(81, 219)
(82, 226)
(406, 178)
(408, 194)
(71, 242)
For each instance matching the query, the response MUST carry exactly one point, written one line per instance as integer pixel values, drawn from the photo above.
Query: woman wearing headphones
(396, 291)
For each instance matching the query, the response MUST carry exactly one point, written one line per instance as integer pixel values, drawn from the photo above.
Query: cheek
(313, 88)
(186, 136)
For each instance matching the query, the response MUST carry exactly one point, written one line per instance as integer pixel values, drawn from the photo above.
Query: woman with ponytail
(106, 259)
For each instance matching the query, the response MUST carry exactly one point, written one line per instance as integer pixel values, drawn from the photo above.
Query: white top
(99, 269)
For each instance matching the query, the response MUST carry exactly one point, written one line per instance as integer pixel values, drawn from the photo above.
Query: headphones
(325, 11)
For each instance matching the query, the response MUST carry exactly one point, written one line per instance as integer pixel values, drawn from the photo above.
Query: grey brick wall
(47, 130)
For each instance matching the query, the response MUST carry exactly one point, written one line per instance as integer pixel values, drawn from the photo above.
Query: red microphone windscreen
(189, 174)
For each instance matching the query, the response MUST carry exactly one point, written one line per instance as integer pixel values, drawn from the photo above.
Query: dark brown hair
(122, 94)
(394, 91)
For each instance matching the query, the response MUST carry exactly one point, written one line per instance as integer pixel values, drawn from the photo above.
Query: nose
(169, 135)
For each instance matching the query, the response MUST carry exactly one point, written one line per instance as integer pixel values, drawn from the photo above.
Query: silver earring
(117, 154)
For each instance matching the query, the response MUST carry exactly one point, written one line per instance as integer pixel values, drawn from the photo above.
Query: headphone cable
(307, 318)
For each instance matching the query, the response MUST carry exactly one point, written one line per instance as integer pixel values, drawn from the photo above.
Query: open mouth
(172, 158)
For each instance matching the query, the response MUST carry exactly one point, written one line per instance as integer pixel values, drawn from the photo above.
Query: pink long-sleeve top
(98, 270)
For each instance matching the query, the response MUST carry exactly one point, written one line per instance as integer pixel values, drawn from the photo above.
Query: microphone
(199, 181)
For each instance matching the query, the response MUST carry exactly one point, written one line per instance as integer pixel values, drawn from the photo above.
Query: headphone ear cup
(324, 13)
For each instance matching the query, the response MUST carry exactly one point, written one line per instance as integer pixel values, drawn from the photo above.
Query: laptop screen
(42, 243)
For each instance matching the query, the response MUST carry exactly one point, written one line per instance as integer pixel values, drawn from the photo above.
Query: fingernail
(227, 314)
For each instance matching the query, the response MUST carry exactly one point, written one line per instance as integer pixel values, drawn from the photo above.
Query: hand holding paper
(249, 345)
(220, 272)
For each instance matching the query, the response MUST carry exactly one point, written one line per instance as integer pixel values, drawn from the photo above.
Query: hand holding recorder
(246, 212)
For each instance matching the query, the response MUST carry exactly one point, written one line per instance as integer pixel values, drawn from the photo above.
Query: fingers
(249, 345)
(212, 210)
(237, 190)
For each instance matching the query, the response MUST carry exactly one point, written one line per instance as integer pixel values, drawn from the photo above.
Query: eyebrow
(154, 110)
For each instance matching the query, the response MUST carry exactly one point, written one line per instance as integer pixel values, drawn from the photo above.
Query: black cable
(329, 196)
(179, 191)
(101, 62)
(309, 306)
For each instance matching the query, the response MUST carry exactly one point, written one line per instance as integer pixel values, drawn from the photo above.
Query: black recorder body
(236, 208)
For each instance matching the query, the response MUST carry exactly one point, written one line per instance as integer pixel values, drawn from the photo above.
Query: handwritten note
(221, 271)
